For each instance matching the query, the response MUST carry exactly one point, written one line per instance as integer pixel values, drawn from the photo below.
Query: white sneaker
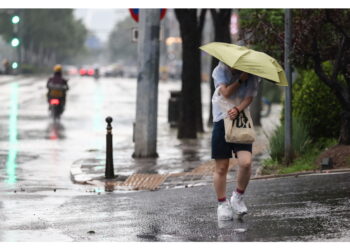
(225, 211)
(238, 205)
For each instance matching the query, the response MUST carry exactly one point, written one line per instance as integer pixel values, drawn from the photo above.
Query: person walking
(240, 88)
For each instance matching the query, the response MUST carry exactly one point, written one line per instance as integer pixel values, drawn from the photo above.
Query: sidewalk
(195, 168)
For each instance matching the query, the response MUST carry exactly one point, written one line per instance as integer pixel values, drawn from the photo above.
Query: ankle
(223, 199)
(240, 191)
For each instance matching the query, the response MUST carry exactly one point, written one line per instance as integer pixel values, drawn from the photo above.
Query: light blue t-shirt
(222, 74)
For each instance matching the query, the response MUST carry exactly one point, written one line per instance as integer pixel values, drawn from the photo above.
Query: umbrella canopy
(247, 60)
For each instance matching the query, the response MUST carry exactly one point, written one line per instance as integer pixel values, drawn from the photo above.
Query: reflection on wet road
(39, 202)
(11, 163)
(55, 131)
(36, 149)
(44, 150)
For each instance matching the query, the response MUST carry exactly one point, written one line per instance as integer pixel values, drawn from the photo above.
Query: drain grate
(143, 181)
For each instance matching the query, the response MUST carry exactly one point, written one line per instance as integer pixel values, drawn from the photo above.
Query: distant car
(70, 70)
(131, 72)
(114, 70)
(86, 71)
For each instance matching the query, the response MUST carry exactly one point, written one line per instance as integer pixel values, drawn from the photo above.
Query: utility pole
(16, 41)
(147, 84)
(288, 147)
(20, 35)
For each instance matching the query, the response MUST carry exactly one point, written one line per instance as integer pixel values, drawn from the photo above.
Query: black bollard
(109, 173)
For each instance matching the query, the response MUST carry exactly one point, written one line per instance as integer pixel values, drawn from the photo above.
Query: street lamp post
(16, 42)
(288, 147)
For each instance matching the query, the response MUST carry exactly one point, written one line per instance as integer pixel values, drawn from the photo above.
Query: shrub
(32, 69)
(316, 106)
(303, 163)
(300, 140)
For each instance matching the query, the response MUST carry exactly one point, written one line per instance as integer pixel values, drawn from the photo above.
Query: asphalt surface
(306, 208)
(44, 149)
(39, 202)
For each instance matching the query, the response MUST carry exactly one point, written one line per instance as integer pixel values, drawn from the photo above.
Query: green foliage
(32, 69)
(29, 69)
(277, 144)
(120, 45)
(300, 140)
(263, 29)
(319, 36)
(304, 162)
(316, 106)
(47, 32)
(320, 32)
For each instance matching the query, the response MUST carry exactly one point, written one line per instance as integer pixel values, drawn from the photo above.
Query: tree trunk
(199, 111)
(221, 24)
(341, 91)
(344, 137)
(190, 72)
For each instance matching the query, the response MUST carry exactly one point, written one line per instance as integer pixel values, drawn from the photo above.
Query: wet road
(36, 153)
(39, 155)
(38, 202)
(307, 208)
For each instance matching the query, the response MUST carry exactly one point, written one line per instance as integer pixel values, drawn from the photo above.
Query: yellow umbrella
(247, 60)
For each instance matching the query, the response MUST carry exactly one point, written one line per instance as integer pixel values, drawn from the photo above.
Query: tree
(119, 42)
(221, 22)
(190, 121)
(319, 35)
(47, 35)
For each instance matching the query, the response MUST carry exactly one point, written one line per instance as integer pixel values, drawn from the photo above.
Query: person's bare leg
(244, 169)
(221, 168)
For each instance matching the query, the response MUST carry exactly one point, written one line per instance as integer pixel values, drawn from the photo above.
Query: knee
(221, 170)
(246, 164)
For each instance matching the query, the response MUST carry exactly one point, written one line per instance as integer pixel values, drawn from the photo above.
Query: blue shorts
(220, 149)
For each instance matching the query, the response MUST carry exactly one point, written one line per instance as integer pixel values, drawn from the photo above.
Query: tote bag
(241, 129)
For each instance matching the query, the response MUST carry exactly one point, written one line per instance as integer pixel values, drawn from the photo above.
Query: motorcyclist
(97, 73)
(57, 78)
(6, 65)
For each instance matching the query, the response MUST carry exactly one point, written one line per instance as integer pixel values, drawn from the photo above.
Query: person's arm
(228, 90)
(244, 104)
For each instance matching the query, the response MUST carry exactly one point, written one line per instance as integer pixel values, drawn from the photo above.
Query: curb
(136, 181)
(152, 182)
(77, 176)
(296, 174)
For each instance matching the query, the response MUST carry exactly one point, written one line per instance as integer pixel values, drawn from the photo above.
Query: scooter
(56, 99)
